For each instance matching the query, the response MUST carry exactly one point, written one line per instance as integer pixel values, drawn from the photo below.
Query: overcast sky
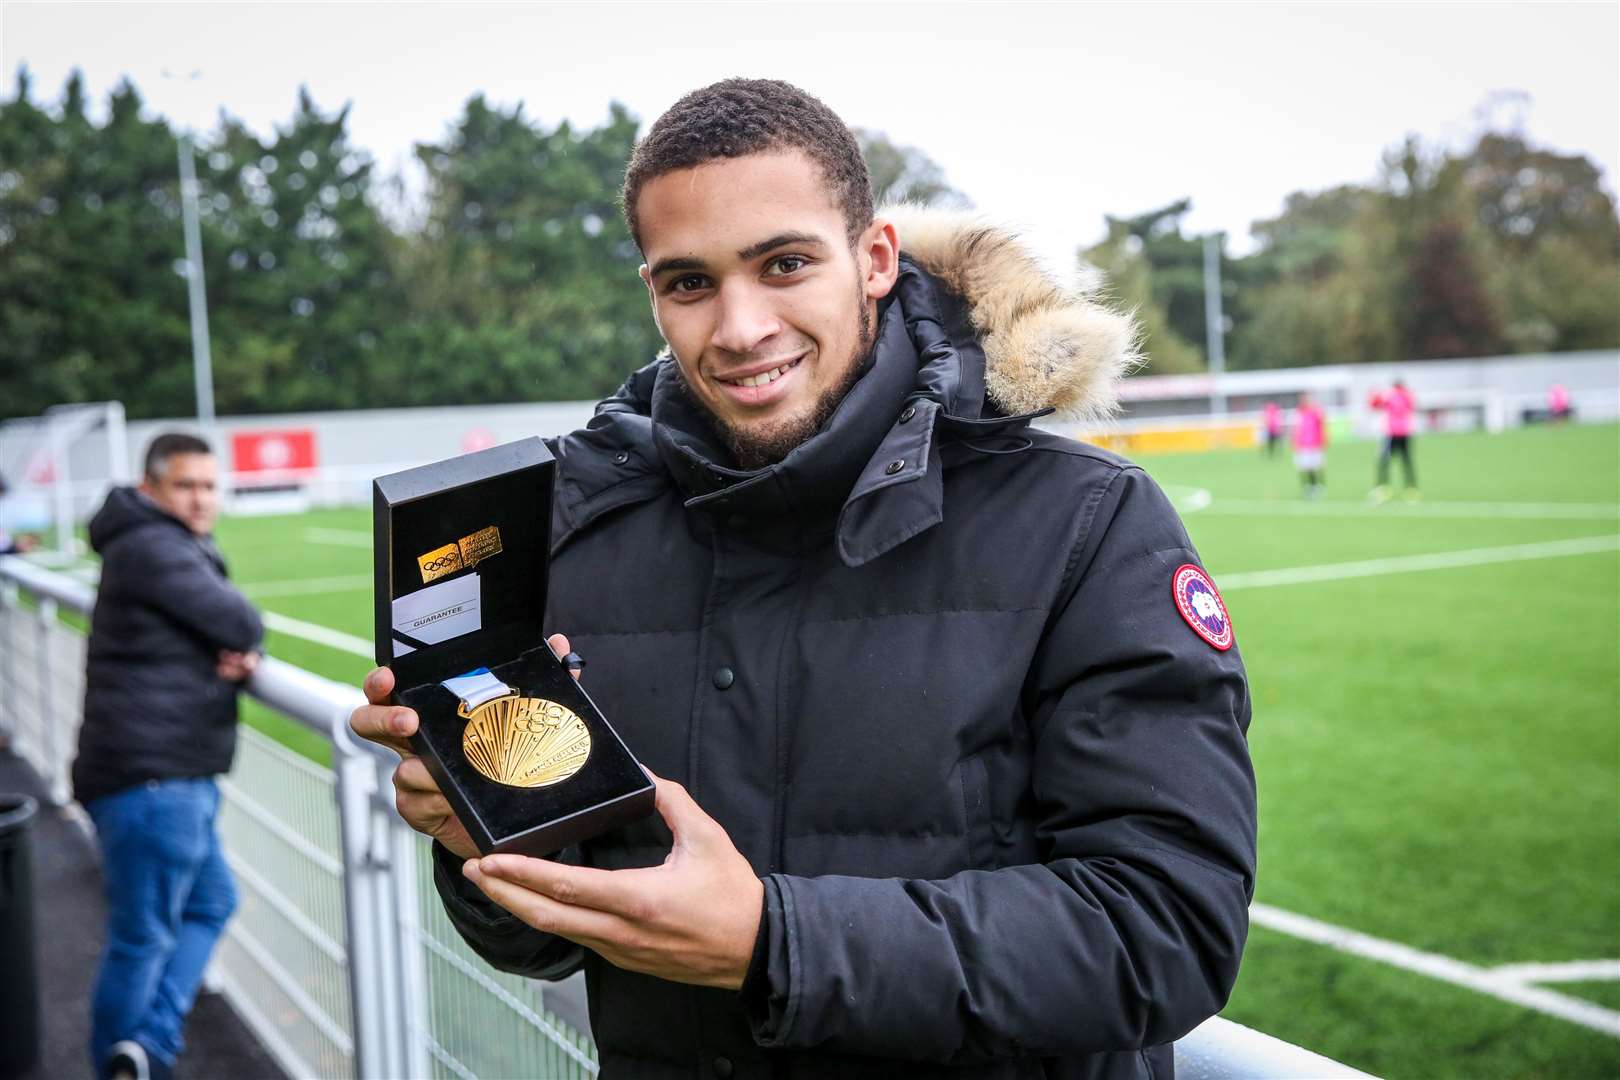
(1046, 115)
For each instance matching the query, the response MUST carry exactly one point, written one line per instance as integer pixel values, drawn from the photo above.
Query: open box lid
(465, 543)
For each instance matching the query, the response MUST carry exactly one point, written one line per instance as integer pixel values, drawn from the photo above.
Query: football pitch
(1436, 734)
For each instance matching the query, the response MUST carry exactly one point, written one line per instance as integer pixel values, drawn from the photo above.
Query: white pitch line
(1406, 564)
(1501, 510)
(321, 635)
(305, 586)
(1568, 971)
(1435, 966)
(340, 537)
(1188, 500)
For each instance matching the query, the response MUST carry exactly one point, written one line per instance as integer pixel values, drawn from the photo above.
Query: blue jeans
(169, 894)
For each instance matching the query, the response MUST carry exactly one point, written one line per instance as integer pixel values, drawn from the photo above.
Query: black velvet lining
(609, 790)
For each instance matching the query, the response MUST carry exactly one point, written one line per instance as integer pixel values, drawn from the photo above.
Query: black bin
(19, 988)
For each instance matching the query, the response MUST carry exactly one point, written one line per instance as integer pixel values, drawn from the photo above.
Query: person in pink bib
(1310, 440)
(1271, 421)
(1558, 402)
(1400, 419)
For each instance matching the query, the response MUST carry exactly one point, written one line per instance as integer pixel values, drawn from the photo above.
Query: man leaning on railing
(171, 642)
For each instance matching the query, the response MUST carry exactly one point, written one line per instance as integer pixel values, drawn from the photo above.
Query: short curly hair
(734, 118)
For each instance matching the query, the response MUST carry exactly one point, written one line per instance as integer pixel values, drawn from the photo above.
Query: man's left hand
(692, 919)
(236, 666)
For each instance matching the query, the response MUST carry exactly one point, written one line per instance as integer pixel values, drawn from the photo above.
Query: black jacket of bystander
(154, 706)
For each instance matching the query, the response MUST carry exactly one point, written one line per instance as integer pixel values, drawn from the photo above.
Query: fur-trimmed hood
(1045, 345)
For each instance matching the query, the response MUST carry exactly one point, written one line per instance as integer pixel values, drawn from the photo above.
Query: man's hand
(236, 666)
(416, 794)
(693, 919)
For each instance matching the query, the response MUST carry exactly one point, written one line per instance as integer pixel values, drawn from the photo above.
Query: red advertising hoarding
(279, 456)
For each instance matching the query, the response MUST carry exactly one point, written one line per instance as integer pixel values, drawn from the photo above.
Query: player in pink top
(1310, 439)
(1558, 402)
(1272, 426)
(1400, 414)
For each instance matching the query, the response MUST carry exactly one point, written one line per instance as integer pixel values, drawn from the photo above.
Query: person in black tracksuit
(948, 719)
(170, 642)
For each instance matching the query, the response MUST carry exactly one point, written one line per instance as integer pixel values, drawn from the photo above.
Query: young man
(1400, 420)
(1310, 442)
(956, 716)
(170, 643)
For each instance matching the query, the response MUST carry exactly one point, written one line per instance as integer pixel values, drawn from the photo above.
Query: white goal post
(58, 467)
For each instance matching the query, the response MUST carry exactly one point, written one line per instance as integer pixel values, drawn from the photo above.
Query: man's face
(188, 489)
(757, 290)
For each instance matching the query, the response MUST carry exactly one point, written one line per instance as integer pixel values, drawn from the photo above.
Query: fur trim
(1045, 345)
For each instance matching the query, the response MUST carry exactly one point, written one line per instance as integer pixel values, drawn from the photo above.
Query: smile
(764, 377)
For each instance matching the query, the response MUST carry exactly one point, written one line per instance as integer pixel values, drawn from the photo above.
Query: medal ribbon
(476, 687)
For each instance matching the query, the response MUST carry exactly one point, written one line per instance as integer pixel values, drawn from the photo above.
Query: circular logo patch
(1202, 606)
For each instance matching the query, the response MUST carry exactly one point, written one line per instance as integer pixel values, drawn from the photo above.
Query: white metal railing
(340, 957)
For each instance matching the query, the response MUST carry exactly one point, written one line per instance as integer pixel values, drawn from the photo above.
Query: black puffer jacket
(154, 708)
(998, 788)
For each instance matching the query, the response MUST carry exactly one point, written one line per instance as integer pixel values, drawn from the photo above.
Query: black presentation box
(462, 560)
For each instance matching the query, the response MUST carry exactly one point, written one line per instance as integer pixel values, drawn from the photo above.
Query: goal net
(58, 467)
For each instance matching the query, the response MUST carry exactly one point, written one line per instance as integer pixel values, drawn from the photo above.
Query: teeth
(765, 376)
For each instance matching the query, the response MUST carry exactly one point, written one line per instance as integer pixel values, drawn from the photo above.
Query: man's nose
(746, 319)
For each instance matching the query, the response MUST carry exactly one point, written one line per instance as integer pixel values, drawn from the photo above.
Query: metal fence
(340, 957)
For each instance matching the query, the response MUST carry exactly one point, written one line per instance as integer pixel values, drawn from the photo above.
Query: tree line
(1503, 247)
(514, 279)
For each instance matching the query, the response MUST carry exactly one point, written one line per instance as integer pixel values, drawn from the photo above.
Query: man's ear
(879, 251)
(652, 298)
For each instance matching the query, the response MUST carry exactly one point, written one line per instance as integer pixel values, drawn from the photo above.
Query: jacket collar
(975, 341)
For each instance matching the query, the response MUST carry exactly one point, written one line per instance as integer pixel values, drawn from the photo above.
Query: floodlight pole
(1214, 322)
(202, 363)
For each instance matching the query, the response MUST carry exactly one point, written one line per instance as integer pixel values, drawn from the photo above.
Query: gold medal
(525, 741)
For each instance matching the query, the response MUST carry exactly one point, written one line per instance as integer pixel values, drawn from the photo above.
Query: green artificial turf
(1605, 993)
(1394, 1024)
(1438, 753)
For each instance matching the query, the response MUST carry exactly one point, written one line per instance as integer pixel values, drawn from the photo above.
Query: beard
(755, 448)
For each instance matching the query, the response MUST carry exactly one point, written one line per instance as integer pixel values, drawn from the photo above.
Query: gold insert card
(464, 554)
(480, 545)
(439, 562)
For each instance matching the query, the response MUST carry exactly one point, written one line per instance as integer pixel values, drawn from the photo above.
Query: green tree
(523, 283)
(1155, 270)
(904, 174)
(91, 306)
(1317, 288)
(1554, 265)
(301, 279)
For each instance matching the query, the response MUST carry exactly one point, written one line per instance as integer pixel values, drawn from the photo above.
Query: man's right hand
(416, 794)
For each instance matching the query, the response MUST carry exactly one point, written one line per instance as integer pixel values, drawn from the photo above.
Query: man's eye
(688, 284)
(786, 264)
